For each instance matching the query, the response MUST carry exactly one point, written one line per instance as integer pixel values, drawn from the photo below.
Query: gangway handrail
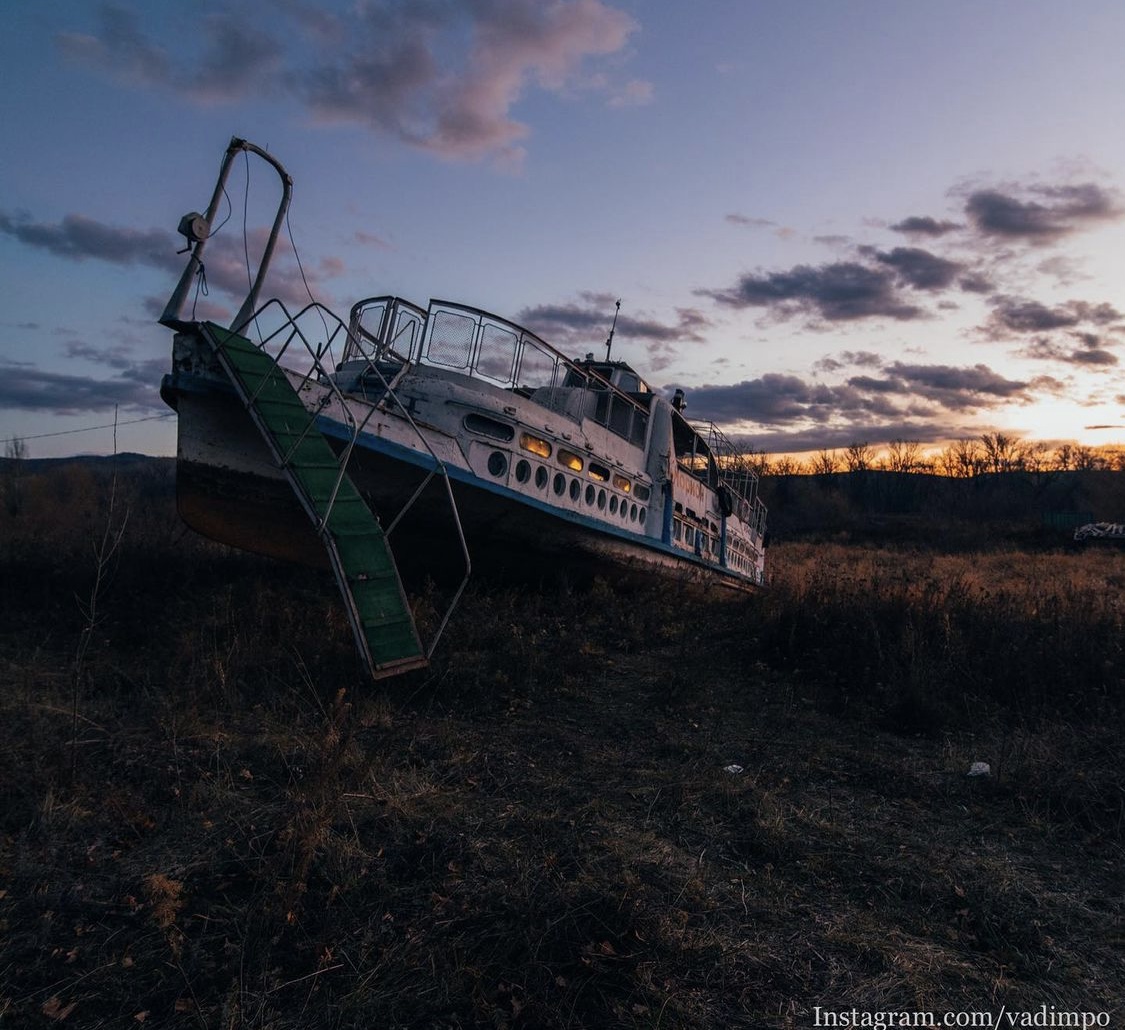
(325, 379)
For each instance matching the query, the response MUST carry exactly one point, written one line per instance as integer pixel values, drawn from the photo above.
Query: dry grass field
(209, 819)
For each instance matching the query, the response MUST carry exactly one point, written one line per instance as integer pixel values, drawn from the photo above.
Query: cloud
(26, 388)
(1048, 213)
(919, 268)
(858, 358)
(918, 225)
(79, 238)
(437, 75)
(236, 57)
(838, 292)
(923, 395)
(1014, 315)
(583, 327)
(1089, 352)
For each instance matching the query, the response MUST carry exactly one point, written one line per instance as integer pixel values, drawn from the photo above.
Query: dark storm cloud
(438, 75)
(924, 226)
(1051, 211)
(29, 389)
(838, 292)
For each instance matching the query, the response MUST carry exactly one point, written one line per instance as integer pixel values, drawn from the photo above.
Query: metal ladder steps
(357, 545)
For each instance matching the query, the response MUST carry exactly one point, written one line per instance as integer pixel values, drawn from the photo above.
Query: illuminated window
(622, 483)
(535, 445)
(570, 460)
(598, 472)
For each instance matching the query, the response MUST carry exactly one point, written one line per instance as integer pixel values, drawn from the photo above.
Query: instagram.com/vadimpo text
(999, 1019)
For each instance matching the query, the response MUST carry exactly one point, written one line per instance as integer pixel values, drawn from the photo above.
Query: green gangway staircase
(357, 546)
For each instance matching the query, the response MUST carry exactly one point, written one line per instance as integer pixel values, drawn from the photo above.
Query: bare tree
(859, 457)
(825, 463)
(1003, 453)
(904, 456)
(962, 459)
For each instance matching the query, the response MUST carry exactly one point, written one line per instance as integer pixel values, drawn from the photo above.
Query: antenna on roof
(612, 330)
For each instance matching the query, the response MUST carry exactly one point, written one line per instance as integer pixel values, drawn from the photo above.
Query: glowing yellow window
(598, 472)
(622, 483)
(536, 445)
(570, 460)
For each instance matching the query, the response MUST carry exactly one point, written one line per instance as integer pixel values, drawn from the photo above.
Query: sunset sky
(827, 221)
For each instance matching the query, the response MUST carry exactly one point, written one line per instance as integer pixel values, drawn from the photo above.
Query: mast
(612, 330)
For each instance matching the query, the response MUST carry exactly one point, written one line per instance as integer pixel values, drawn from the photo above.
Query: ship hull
(230, 489)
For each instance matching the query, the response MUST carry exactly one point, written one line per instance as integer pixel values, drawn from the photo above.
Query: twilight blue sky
(828, 221)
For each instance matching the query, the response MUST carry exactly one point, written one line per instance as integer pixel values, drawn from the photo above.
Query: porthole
(541, 477)
(559, 485)
(632, 513)
(523, 470)
(613, 505)
(641, 516)
(590, 493)
(601, 500)
(575, 490)
(497, 463)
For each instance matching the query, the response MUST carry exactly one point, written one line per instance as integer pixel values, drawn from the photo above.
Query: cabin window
(535, 444)
(575, 490)
(559, 485)
(486, 426)
(622, 483)
(590, 493)
(613, 505)
(541, 477)
(523, 470)
(632, 513)
(598, 472)
(451, 339)
(497, 463)
(570, 460)
(601, 500)
(641, 492)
